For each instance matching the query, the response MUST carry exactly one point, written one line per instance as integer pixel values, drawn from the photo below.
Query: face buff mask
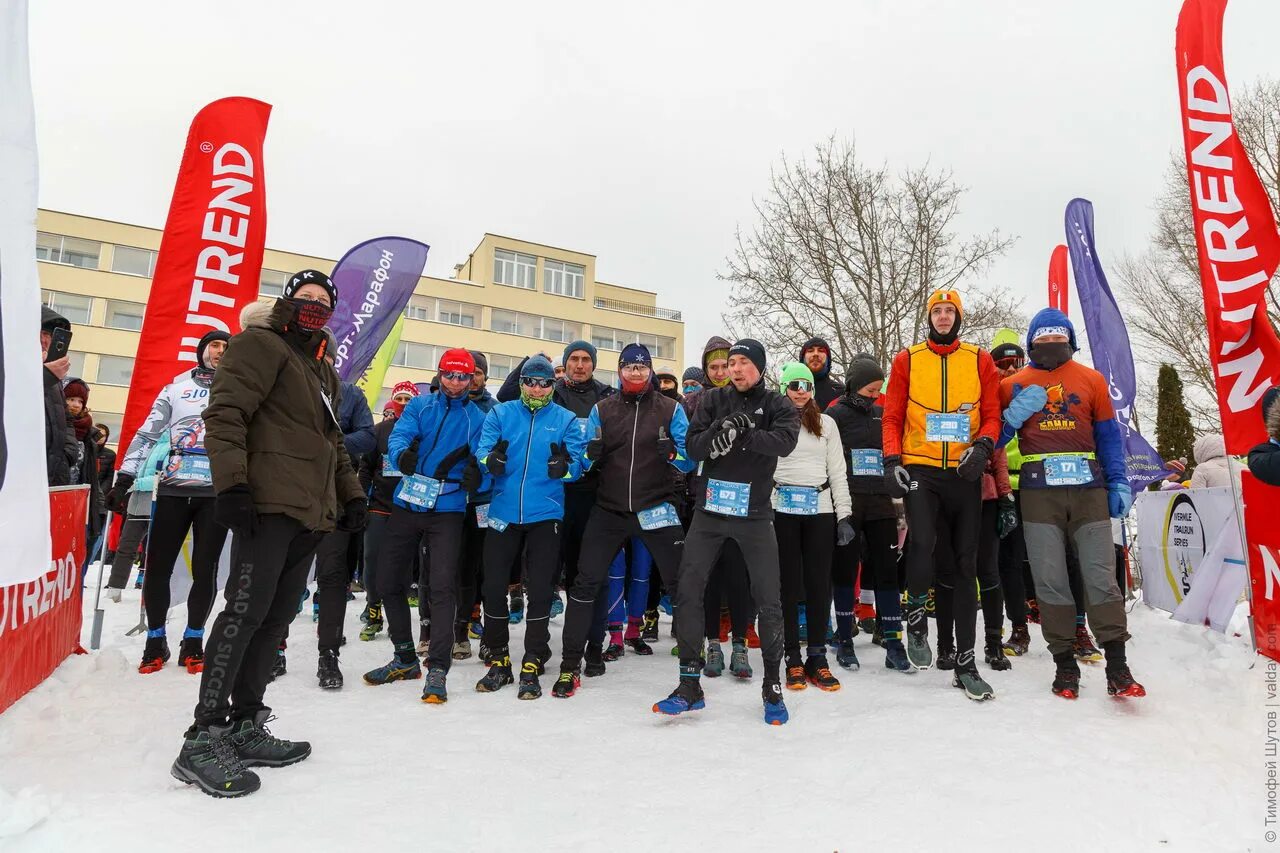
(533, 403)
(308, 315)
(1050, 356)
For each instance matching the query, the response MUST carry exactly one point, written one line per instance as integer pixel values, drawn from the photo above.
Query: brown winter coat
(270, 422)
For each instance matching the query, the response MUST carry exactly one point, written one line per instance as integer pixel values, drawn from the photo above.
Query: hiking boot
(1120, 683)
(1066, 679)
(257, 747)
(209, 761)
(1018, 643)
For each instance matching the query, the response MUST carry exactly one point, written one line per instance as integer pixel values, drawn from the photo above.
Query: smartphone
(59, 345)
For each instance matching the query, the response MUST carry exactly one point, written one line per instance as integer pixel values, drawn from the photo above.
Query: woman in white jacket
(1212, 467)
(811, 491)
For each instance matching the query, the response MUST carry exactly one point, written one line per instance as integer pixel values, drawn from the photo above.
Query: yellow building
(509, 299)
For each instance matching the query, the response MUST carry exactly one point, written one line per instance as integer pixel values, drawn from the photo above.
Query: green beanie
(794, 370)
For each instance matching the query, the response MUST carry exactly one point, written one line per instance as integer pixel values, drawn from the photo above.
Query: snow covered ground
(890, 762)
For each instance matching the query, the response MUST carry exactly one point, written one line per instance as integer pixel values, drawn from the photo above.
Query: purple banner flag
(375, 280)
(1109, 342)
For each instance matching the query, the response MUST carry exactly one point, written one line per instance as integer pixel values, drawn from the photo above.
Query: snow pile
(891, 760)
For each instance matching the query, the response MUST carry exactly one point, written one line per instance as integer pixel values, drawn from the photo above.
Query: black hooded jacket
(860, 429)
(825, 388)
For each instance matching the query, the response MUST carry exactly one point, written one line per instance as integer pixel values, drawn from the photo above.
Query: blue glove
(1025, 403)
(1119, 499)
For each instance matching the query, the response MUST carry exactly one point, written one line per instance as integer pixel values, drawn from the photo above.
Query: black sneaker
(593, 662)
(994, 655)
(327, 671)
(946, 658)
(498, 676)
(639, 646)
(257, 747)
(566, 685)
(613, 652)
(529, 686)
(278, 668)
(649, 629)
(209, 761)
(191, 654)
(154, 655)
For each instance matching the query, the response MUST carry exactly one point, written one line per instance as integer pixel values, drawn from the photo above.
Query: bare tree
(851, 253)
(1164, 303)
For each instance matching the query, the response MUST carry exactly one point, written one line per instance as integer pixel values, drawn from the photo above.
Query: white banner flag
(1181, 531)
(24, 507)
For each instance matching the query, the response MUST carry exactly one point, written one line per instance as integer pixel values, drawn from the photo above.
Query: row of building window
(112, 369)
(516, 269)
(79, 310)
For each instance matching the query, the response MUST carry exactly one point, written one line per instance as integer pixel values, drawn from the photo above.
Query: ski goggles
(1010, 361)
(800, 385)
(457, 376)
(537, 381)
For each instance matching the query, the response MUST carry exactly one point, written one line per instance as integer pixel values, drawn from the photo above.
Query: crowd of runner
(785, 515)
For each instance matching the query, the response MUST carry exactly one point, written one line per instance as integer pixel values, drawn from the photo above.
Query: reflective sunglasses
(457, 376)
(536, 381)
(800, 385)
(1010, 361)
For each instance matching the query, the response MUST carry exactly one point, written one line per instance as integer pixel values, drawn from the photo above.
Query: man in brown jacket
(280, 472)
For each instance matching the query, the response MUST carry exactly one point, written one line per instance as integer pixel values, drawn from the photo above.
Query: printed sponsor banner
(1109, 343)
(40, 619)
(210, 258)
(1261, 509)
(1235, 230)
(1177, 529)
(375, 280)
(24, 523)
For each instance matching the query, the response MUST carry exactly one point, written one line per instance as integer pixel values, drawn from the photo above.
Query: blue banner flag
(1109, 342)
(375, 280)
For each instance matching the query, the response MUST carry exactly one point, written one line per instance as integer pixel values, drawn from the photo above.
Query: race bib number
(943, 426)
(866, 462)
(388, 470)
(482, 516)
(727, 498)
(798, 500)
(1067, 471)
(418, 491)
(662, 515)
(191, 469)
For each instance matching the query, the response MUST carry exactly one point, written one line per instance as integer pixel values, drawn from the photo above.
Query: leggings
(805, 545)
(629, 577)
(174, 517)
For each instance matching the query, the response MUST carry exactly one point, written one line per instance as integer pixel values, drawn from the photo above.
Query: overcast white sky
(636, 132)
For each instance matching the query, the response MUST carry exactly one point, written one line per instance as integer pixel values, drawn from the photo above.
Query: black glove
(472, 476)
(558, 463)
(1007, 520)
(233, 508)
(496, 461)
(974, 460)
(722, 442)
(354, 515)
(408, 463)
(117, 499)
(666, 445)
(896, 478)
(448, 463)
(740, 421)
(845, 532)
(595, 447)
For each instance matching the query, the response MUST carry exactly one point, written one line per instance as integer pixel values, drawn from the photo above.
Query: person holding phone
(61, 447)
